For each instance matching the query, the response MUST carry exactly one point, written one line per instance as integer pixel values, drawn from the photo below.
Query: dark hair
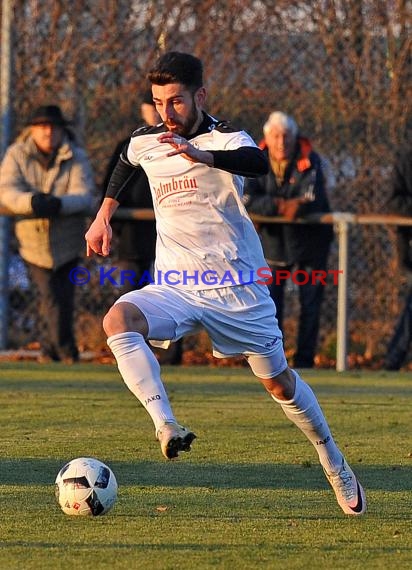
(177, 67)
(148, 97)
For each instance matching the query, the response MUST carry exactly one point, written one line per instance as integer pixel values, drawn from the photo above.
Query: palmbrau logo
(175, 186)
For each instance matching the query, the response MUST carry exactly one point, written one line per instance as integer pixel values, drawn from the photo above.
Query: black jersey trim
(149, 130)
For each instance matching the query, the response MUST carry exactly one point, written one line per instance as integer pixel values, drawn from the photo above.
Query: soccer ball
(85, 486)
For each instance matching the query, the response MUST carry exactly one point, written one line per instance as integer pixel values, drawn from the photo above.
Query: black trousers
(310, 300)
(399, 344)
(56, 310)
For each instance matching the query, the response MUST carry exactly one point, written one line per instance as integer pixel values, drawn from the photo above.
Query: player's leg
(298, 402)
(126, 328)
(300, 405)
(245, 321)
(128, 323)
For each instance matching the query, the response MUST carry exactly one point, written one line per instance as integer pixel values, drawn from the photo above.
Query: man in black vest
(294, 186)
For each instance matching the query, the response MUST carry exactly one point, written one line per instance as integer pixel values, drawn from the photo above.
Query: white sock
(141, 373)
(304, 411)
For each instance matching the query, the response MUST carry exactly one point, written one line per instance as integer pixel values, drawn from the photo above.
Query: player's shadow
(185, 474)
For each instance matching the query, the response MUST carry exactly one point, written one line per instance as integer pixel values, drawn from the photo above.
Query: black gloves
(45, 205)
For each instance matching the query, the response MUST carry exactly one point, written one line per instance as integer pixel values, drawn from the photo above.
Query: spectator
(45, 175)
(137, 238)
(400, 203)
(294, 186)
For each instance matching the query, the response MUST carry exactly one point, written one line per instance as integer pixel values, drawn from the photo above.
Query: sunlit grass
(250, 495)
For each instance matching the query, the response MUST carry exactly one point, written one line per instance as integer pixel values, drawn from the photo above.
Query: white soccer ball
(85, 486)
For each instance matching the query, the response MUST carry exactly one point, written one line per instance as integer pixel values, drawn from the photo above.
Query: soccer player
(208, 262)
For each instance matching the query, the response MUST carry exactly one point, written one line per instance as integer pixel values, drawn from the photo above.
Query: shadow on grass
(184, 474)
(198, 380)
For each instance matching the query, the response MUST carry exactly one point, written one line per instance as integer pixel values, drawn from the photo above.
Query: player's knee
(282, 386)
(124, 317)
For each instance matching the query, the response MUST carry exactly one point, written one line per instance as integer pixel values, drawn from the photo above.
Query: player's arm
(244, 161)
(120, 177)
(99, 235)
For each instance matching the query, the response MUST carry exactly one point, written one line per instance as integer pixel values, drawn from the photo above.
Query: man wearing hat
(46, 176)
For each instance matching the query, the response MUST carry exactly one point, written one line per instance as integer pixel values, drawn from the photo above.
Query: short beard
(184, 130)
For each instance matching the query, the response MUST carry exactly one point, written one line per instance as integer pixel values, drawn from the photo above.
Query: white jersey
(205, 236)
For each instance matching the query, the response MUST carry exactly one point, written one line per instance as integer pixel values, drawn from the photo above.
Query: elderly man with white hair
(294, 187)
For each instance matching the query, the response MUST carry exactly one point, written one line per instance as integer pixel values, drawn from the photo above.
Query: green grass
(251, 494)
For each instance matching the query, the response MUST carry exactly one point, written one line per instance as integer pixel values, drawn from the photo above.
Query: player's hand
(185, 149)
(180, 144)
(98, 238)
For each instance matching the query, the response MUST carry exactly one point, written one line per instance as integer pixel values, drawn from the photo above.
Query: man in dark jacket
(136, 238)
(47, 179)
(400, 203)
(294, 187)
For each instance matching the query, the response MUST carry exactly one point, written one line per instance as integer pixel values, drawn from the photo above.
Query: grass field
(250, 495)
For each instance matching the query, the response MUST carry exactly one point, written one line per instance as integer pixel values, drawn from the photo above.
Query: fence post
(5, 96)
(342, 221)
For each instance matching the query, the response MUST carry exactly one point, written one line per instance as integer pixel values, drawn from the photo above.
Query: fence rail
(343, 223)
(341, 70)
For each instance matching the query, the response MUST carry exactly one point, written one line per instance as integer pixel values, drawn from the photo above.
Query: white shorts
(239, 319)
